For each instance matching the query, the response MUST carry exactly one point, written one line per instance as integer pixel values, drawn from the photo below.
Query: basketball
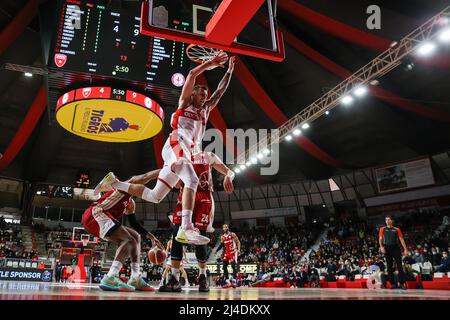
(156, 255)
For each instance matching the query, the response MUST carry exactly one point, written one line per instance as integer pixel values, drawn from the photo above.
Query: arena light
(28, 74)
(361, 91)
(444, 36)
(347, 100)
(288, 137)
(297, 132)
(248, 164)
(266, 152)
(242, 167)
(305, 126)
(237, 170)
(254, 160)
(327, 112)
(260, 156)
(426, 49)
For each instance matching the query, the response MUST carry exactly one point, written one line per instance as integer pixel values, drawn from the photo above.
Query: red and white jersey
(228, 242)
(114, 202)
(202, 165)
(189, 125)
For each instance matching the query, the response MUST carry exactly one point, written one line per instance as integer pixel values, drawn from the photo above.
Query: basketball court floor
(10, 290)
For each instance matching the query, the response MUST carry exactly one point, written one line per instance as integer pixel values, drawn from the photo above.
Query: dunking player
(230, 242)
(101, 220)
(188, 124)
(203, 215)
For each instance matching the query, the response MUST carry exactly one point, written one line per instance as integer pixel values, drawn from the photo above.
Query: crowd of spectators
(11, 245)
(351, 247)
(276, 245)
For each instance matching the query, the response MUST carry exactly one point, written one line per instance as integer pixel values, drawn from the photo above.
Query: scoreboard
(94, 37)
(83, 180)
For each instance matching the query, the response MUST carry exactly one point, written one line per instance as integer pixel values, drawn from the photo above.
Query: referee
(389, 239)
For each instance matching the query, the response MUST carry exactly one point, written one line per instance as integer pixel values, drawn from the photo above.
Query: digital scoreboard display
(83, 180)
(96, 38)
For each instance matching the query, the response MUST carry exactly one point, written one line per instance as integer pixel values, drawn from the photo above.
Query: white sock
(122, 186)
(176, 273)
(115, 268)
(203, 271)
(186, 219)
(135, 270)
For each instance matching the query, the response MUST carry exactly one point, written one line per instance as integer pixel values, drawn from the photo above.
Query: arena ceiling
(399, 122)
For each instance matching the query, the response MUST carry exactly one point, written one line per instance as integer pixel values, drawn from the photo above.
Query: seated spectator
(445, 263)
(418, 257)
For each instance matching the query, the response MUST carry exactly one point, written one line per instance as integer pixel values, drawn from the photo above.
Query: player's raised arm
(223, 85)
(218, 165)
(186, 92)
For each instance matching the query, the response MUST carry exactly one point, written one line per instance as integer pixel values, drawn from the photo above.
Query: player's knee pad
(200, 253)
(186, 173)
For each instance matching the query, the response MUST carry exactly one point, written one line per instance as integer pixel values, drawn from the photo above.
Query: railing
(19, 263)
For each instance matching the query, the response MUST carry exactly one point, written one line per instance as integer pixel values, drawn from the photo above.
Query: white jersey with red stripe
(188, 127)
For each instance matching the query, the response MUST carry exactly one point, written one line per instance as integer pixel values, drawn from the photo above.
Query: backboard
(188, 21)
(80, 235)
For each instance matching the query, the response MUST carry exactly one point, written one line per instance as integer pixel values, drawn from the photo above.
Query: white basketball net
(201, 54)
(85, 242)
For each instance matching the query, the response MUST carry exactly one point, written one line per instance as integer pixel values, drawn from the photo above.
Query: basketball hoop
(201, 54)
(85, 242)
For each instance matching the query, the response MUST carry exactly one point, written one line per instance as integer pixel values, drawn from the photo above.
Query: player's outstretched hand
(228, 184)
(155, 241)
(218, 61)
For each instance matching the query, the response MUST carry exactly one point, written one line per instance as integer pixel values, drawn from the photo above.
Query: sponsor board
(109, 115)
(23, 274)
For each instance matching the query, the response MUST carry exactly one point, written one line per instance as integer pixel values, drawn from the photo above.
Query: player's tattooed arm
(186, 92)
(135, 225)
(145, 178)
(223, 85)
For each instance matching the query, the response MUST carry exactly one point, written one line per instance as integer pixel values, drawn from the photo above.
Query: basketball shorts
(230, 256)
(99, 223)
(175, 149)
